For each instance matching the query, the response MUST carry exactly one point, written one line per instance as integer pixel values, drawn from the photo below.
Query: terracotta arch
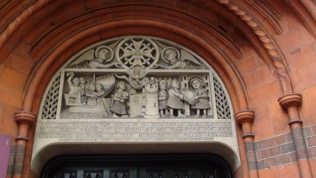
(274, 59)
(52, 55)
(219, 60)
(212, 45)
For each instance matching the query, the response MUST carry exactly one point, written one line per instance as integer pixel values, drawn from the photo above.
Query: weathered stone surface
(135, 131)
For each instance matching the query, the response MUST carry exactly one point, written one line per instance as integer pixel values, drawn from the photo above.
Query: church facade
(157, 89)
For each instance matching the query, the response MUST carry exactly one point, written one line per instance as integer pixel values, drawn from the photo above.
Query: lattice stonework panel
(222, 105)
(49, 109)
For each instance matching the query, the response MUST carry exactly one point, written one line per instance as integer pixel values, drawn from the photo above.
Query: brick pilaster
(245, 119)
(290, 104)
(24, 121)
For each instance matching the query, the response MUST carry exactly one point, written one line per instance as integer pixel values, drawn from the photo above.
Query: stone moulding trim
(259, 30)
(266, 39)
(20, 19)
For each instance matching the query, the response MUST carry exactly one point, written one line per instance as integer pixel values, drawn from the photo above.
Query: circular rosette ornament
(137, 52)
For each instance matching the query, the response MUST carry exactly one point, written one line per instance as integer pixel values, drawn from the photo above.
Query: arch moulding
(207, 50)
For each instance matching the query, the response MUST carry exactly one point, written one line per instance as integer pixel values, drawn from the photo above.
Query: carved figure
(91, 95)
(82, 83)
(73, 83)
(171, 56)
(200, 95)
(99, 90)
(103, 55)
(118, 104)
(175, 99)
(162, 98)
(91, 91)
(137, 70)
(84, 97)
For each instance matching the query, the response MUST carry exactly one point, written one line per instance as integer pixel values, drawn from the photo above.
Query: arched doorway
(130, 93)
(138, 166)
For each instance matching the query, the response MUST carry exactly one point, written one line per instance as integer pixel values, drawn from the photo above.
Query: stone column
(24, 121)
(245, 119)
(290, 104)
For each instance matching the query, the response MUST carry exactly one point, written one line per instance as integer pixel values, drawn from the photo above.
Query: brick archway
(46, 33)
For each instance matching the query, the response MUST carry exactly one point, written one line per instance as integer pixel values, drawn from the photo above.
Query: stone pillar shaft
(24, 121)
(290, 104)
(245, 119)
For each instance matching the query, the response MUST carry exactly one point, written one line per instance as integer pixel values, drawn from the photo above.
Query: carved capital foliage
(245, 116)
(293, 99)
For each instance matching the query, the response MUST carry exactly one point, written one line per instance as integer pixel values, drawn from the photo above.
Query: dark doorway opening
(138, 166)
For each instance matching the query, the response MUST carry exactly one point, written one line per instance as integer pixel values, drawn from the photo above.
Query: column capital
(293, 99)
(23, 117)
(245, 116)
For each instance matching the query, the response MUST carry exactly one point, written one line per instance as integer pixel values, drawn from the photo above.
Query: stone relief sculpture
(200, 96)
(171, 56)
(175, 99)
(87, 95)
(138, 80)
(103, 55)
(73, 83)
(162, 98)
(136, 56)
(119, 101)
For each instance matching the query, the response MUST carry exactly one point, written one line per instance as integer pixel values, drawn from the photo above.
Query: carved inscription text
(118, 131)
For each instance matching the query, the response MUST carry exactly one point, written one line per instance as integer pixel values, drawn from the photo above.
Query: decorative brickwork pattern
(222, 106)
(275, 151)
(49, 110)
(310, 138)
(11, 160)
(280, 150)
